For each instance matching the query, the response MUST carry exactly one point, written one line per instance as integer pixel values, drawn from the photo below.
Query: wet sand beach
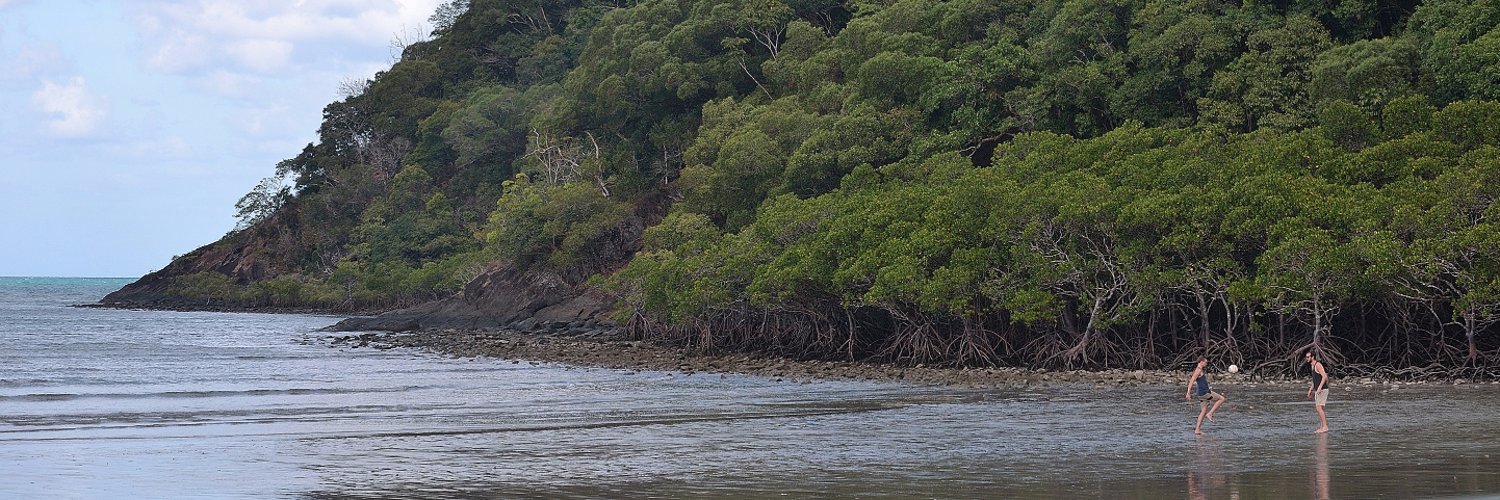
(104, 403)
(1009, 433)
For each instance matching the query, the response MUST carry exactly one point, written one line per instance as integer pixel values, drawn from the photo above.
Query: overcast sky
(129, 128)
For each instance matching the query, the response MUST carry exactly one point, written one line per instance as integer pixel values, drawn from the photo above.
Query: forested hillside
(1055, 183)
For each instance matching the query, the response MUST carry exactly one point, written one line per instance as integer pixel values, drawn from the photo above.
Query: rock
(499, 297)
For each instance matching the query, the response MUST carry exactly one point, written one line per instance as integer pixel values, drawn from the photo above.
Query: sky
(129, 128)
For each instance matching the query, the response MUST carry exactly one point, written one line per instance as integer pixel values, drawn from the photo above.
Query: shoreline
(600, 344)
(310, 311)
(609, 350)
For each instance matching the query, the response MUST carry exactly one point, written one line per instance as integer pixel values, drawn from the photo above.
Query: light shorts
(1320, 398)
(1210, 397)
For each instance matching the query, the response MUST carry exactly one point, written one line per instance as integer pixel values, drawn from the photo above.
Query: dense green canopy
(1069, 183)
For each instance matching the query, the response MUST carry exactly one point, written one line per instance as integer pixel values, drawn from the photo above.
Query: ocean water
(101, 403)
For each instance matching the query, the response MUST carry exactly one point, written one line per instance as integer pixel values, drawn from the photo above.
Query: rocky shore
(600, 345)
(607, 348)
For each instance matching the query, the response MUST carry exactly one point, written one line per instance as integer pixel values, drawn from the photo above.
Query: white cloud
(78, 111)
(269, 66)
(271, 36)
(179, 52)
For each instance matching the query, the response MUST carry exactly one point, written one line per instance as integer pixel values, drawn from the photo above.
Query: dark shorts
(1209, 397)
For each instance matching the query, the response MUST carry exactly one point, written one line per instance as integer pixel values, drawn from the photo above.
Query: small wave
(31, 425)
(651, 420)
(156, 425)
(5, 382)
(43, 397)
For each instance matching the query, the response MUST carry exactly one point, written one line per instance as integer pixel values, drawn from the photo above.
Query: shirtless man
(1318, 391)
(1199, 380)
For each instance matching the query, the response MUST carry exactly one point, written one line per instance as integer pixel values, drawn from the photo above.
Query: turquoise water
(99, 403)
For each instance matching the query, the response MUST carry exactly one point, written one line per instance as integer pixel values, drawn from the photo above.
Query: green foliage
(489, 131)
(516, 226)
(1176, 52)
(1471, 124)
(260, 203)
(208, 288)
(569, 227)
(1084, 241)
(1265, 87)
(1461, 47)
(1039, 181)
(1346, 125)
(1369, 73)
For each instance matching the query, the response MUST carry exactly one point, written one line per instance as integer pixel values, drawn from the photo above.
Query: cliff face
(502, 297)
(243, 261)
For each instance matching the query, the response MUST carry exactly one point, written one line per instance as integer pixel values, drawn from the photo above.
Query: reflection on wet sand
(1205, 475)
(1210, 476)
(923, 445)
(1320, 475)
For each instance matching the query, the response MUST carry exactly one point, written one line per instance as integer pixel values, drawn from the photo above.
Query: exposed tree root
(901, 334)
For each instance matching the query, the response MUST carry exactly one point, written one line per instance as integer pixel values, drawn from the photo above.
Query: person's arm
(1192, 378)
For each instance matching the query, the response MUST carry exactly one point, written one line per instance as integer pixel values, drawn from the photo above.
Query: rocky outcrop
(502, 297)
(239, 258)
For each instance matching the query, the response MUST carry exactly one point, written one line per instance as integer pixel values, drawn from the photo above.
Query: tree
(1462, 47)
(1368, 73)
(1308, 274)
(261, 202)
(446, 15)
(1266, 86)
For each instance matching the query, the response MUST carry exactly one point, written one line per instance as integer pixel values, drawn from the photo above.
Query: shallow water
(139, 404)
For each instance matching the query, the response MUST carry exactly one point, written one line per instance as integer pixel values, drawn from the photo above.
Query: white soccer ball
(1234, 369)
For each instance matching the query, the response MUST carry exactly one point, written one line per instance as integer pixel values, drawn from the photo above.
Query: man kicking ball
(1199, 380)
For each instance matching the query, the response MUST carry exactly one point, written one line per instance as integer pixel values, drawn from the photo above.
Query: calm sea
(99, 403)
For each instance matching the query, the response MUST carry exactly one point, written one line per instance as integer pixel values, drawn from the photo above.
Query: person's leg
(1322, 399)
(1218, 401)
(1202, 410)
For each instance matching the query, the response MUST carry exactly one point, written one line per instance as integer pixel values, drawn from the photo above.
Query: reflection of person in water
(1205, 475)
(1320, 476)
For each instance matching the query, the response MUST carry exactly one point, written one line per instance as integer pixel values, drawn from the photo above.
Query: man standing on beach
(1206, 395)
(1318, 391)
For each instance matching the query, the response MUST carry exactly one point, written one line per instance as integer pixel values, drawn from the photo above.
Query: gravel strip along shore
(608, 350)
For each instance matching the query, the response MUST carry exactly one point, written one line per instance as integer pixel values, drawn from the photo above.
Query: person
(1318, 391)
(1199, 380)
